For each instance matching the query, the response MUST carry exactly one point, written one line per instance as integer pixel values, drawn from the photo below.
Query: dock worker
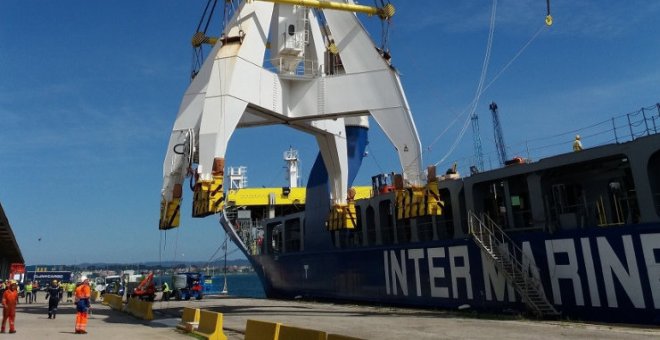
(577, 144)
(9, 302)
(53, 295)
(28, 292)
(70, 287)
(35, 290)
(166, 292)
(83, 295)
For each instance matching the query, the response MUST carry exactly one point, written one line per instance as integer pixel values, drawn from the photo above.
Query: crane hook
(548, 17)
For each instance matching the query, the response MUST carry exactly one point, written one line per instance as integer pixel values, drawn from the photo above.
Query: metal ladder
(507, 257)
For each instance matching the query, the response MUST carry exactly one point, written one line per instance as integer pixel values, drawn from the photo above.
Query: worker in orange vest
(9, 301)
(83, 294)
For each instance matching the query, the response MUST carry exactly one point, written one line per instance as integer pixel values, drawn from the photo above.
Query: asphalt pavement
(366, 322)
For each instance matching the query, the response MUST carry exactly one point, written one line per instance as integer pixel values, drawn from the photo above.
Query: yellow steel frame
(384, 12)
(251, 197)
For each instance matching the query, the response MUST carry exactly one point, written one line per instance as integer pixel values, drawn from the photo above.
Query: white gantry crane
(323, 73)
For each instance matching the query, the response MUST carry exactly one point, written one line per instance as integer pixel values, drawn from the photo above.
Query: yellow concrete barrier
(95, 296)
(189, 319)
(210, 325)
(296, 333)
(114, 301)
(261, 330)
(140, 309)
(342, 337)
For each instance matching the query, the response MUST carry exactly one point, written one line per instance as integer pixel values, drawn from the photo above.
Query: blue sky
(89, 91)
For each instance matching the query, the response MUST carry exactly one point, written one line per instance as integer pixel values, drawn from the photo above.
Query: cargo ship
(575, 235)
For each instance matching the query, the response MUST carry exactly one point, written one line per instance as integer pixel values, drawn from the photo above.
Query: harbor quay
(367, 322)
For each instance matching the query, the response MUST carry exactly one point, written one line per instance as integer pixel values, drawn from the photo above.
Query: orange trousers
(8, 314)
(81, 321)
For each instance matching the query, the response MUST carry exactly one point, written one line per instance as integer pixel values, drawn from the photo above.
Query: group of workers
(54, 293)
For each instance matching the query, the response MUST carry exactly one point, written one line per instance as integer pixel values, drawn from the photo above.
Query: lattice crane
(499, 136)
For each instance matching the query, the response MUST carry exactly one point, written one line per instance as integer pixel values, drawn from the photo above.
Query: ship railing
(229, 227)
(512, 261)
(618, 129)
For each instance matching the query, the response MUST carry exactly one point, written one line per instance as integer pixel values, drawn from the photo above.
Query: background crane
(499, 136)
(476, 140)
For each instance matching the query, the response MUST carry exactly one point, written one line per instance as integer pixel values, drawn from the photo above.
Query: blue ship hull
(587, 225)
(610, 275)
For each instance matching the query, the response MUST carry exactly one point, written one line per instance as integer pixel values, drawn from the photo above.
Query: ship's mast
(292, 167)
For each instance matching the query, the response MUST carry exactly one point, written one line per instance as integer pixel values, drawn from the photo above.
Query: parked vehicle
(188, 285)
(146, 290)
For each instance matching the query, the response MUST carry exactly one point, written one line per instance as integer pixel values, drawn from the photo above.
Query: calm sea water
(240, 285)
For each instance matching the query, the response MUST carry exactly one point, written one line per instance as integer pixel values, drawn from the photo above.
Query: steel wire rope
(482, 78)
(504, 68)
(529, 42)
(222, 245)
(176, 244)
(375, 160)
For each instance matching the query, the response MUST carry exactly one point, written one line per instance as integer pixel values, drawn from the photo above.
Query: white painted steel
(234, 90)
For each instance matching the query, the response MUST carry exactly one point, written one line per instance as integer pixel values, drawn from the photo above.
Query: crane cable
(480, 87)
(501, 71)
(385, 28)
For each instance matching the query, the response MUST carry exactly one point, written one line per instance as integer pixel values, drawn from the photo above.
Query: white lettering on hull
(457, 271)
(495, 281)
(399, 272)
(416, 255)
(436, 272)
(591, 272)
(651, 245)
(595, 266)
(387, 272)
(629, 280)
(563, 271)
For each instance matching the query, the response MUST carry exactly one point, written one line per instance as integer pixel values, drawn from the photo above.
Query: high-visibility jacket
(28, 288)
(83, 292)
(10, 299)
(70, 287)
(166, 288)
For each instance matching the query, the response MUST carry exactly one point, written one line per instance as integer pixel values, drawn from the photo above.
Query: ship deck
(353, 320)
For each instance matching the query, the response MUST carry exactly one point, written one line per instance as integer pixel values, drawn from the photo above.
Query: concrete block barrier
(114, 301)
(261, 330)
(189, 319)
(95, 296)
(210, 326)
(297, 333)
(140, 309)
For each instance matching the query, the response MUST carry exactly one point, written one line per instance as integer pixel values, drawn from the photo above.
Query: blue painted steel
(356, 143)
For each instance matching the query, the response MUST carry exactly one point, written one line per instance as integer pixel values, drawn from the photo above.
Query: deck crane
(499, 136)
(476, 141)
(237, 88)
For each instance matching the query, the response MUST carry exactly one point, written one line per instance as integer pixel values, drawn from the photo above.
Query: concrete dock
(352, 320)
